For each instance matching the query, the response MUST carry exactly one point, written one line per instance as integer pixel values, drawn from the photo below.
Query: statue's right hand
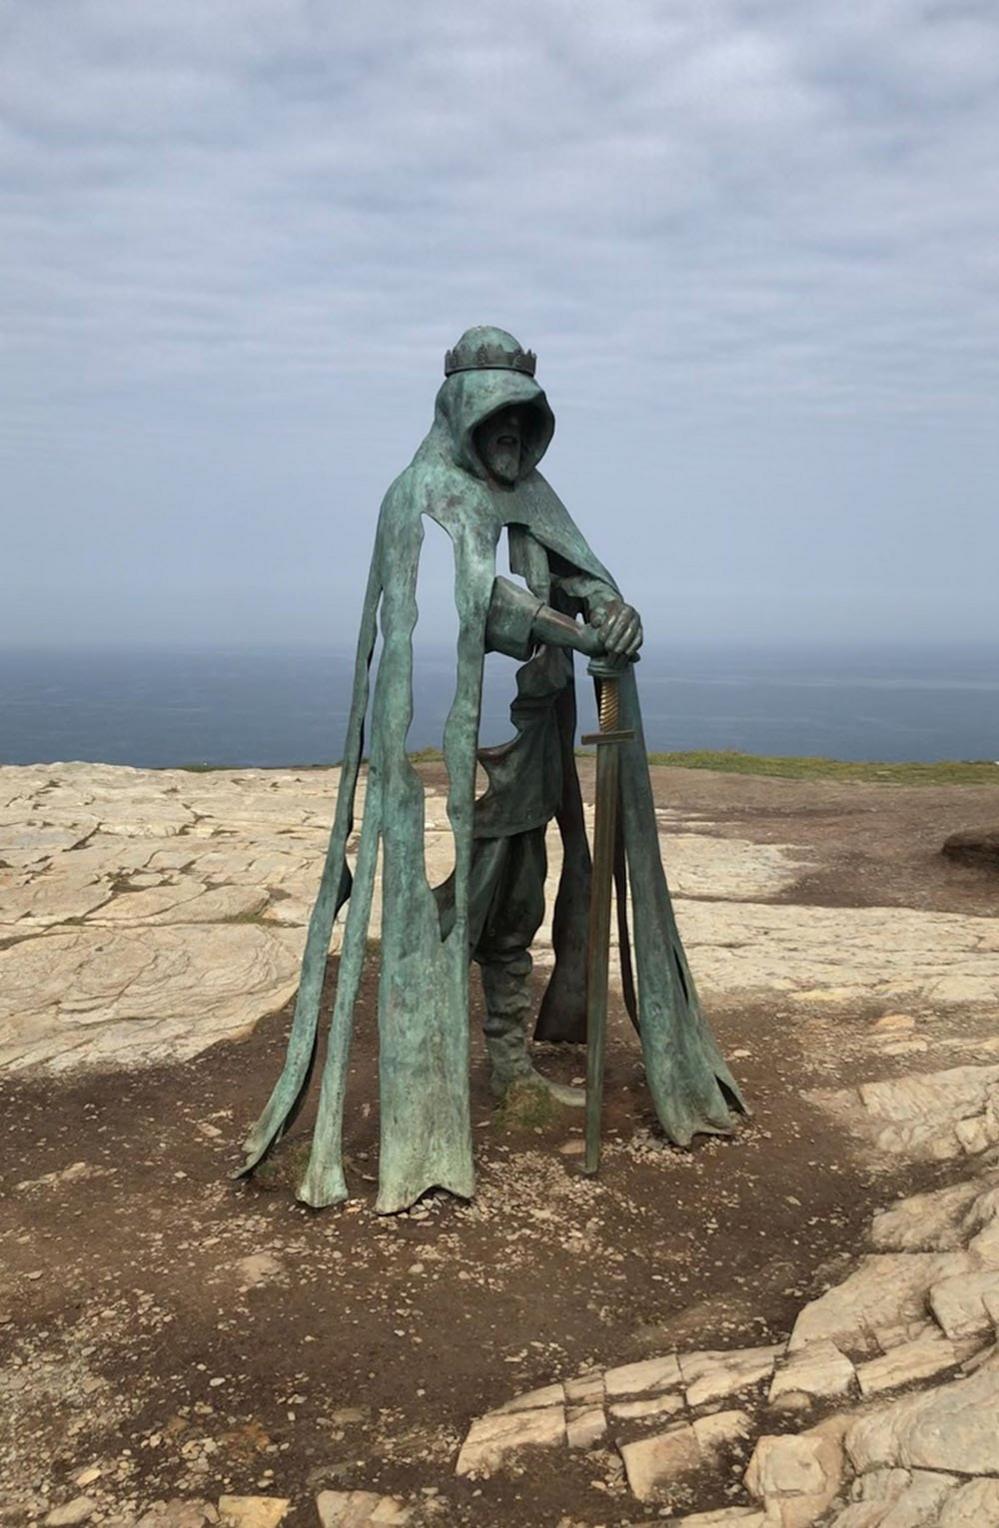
(620, 629)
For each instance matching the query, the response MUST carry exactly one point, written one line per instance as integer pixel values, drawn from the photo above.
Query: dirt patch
(189, 1334)
(872, 845)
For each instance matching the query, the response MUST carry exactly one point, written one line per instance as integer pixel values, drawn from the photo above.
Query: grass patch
(877, 772)
(942, 772)
(529, 1106)
(284, 1166)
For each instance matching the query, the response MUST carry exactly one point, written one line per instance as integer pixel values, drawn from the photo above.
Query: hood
(467, 398)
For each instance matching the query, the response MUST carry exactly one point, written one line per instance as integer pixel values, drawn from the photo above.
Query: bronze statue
(476, 474)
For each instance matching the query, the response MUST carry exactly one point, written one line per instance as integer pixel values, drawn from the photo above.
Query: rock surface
(712, 1376)
(881, 1300)
(356, 1509)
(148, 914)
(651, 1462)
(253, 1511)
(79, 1510)
(818, 1369)
(933, 1115)
(798, 1475)
(951, 1427)
(926, 1355)
(493, 1437)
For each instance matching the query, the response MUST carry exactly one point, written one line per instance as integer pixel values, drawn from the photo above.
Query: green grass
(943, 772)
(528, 1106)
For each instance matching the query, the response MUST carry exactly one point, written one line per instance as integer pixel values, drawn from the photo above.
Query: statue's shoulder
(548, 520)
(403, 501)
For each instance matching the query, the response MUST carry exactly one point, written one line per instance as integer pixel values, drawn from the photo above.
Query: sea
(278, 706)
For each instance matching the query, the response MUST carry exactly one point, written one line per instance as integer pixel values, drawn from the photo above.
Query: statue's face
(500, 444)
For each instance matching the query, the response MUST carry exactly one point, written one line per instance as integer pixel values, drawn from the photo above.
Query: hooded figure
(476, 475)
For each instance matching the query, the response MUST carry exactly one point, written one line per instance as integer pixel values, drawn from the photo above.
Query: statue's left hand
(620, 628)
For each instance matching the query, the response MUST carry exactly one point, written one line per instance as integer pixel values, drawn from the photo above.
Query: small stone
(499, 1433)
(905, 1047)
(907, 1362)
(76, 1511)
(818, 1370)
(68, 1174)
(648, 1375)
(651, 1462)
(548, 1395)
(798, 1475)
(585, 1389)
(665, 1405)
(356, 1509)
(179, 1513)
(967, 1305)
(257, 1268)
(711, 1376)
(720, 1429)
(573, 1148)
(88, 1476)
(893, 1023)
(585, 1426)
(346, 1415)
(253, 1511)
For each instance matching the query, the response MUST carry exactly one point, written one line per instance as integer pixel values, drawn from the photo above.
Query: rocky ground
(794, 1326)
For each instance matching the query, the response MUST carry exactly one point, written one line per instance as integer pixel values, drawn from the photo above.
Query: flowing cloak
(425, 1127)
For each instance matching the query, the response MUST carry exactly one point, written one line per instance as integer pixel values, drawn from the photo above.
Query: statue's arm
(518, 622)
(619, 624)
(594, 596)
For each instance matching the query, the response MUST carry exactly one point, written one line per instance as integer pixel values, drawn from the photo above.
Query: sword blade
(598, 942)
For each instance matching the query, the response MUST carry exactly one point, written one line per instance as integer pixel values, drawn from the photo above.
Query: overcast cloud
(756, 246)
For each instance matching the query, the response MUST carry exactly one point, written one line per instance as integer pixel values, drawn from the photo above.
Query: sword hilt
(610, 710)
(607, 671)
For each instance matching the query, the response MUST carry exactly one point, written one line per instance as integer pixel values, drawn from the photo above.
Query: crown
(489, 357)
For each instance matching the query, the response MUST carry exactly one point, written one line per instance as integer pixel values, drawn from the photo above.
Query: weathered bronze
(476, 475)
(611, 735)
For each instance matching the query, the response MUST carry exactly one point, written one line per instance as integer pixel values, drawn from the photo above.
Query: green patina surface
(425, 1133)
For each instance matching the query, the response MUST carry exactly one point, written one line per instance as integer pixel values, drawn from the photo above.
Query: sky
(755, 246)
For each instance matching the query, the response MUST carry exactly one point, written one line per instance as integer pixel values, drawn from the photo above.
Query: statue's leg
(515, 911)
(506, 986)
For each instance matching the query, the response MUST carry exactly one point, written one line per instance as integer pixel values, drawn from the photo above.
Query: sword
(607, 740)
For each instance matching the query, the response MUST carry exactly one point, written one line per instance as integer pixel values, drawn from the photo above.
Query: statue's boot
(505, 983)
